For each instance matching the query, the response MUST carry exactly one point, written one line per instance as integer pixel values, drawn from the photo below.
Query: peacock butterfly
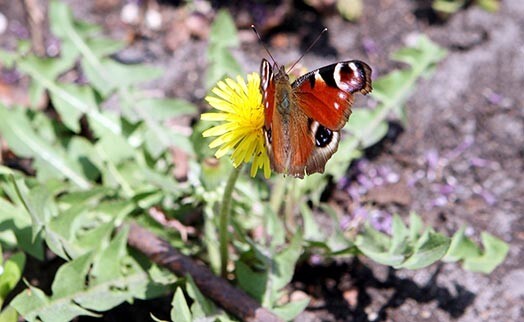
(303, 119)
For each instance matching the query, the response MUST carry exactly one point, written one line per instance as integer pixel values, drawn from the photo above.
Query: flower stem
(225, 208)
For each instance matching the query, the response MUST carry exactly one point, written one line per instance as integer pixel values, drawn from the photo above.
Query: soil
(461, 156)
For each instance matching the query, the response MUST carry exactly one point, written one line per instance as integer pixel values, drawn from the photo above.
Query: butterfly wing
(267, 88)
(324, 97)
(326, 94)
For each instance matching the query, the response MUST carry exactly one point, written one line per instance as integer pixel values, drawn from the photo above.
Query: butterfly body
(303, 119)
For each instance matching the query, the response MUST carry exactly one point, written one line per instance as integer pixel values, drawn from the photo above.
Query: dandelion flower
(241, 117)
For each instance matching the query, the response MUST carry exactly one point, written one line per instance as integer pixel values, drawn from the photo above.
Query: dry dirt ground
(462, 154)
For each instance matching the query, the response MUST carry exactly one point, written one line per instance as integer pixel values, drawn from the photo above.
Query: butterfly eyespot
(323, 136)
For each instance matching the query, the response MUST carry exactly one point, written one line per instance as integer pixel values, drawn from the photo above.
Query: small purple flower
(488, 197)
(439, 201)
(369, 45)
(19, 30)
(365, 182)
(381, 220)
(445, 189)
(494, 98)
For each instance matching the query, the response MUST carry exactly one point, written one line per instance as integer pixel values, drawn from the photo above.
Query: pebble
(130, 14)
(153, 19)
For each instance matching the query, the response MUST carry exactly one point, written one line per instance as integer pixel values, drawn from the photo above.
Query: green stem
(224, 219)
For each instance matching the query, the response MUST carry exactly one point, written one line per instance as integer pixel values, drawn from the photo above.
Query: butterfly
(303, 119)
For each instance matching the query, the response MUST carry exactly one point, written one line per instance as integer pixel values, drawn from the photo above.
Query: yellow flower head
(242, 119)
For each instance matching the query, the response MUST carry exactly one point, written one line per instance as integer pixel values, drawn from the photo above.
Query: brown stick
(219, 290)
(35, 17)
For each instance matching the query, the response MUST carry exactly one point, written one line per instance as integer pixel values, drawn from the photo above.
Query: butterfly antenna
(307, 50)
(264, 45)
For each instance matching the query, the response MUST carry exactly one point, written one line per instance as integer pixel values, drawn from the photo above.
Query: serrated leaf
(495, 251)
(103, 47)
(430, 248)
(69, 278)
(105, 267)
(15, 219)
(71, 113)
(16, 130)
(34, 305)
(180, 310)
(423, 55)
(77, 292)
(393, 87)
(461, 247)
(46, 78)
(376, 246)
(107, 75)
(45, 68)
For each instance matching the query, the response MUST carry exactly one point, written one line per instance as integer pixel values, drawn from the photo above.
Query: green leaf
(489, 5)
(17, 221)
(359, 126)
(71, 113)
(222, 37)
(69, 277)
(11, 273)
(39, 72)
(222, 63)
(416, 226)
(376, 245)
(180, 310)
(22, 139)
(399, 236)
(429, 248)
(387, 89)
(461, 247)
(8, 315)
(422, 56)
(39, 202)
(201, 306)
(166, 108)
(311, 231)
(79, 290)
(251, 281)
(103, 47)
(290, 310)
(447, 6)
(34, 305)
(223, 31)
(284, 263)
(495, 251)
(107, 75)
